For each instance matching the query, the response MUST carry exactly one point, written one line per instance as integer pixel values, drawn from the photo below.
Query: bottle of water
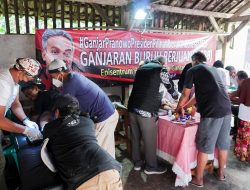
(169, 114)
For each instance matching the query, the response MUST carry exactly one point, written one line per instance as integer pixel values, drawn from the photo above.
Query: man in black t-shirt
(183, 76)
(214, 106)
(75, 153)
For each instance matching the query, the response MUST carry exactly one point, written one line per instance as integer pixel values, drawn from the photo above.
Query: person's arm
(17, 109)
(190, 103)
(168, 83)
(234, 96)
(183, 100)
(8, 125)
(188, 85)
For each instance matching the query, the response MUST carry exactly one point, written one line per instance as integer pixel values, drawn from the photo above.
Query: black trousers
(235, 112)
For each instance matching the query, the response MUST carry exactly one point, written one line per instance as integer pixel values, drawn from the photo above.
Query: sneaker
(159, 170)
(137, 168)
(138, 165)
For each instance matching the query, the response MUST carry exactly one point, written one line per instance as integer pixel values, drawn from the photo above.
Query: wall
(15, 46)
(235, 55)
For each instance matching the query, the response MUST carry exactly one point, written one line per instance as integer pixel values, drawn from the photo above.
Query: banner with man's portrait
(115, 55)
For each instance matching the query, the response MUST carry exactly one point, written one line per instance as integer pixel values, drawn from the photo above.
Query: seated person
(234, 97)
(75, 153)
(242, 145)
(167, 101)
(232, 74)
(43, 101)
(241, 76)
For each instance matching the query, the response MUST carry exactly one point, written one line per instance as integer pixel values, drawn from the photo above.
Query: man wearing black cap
(25, 69)
(92, 100)
(80, 161)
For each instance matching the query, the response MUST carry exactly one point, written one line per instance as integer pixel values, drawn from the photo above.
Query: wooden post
(45, 14)
(26, 16)
(71, 14)
(79, 14)
(54, 8)
(224, 46)
(93, 17)
(86, 16)
(62, 13)
(16, 16)
(6, 16)
(36, 14)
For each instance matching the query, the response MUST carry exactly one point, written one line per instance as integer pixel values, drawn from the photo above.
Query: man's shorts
(213, 132)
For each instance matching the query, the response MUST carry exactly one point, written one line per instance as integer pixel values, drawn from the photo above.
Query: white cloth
(166, 96)
(46, 157)
(244, 113)
(224, 74)
(233, 82)
(9, 89)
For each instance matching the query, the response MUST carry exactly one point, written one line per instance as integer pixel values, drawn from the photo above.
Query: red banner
(115, 55)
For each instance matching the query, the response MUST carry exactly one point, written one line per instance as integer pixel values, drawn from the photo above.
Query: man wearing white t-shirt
(25, 69)
(222, 72)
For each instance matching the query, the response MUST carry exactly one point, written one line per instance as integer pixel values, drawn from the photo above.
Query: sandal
(219, 178)
(195, 184)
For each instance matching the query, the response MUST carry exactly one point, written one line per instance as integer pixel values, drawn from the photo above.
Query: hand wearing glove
(32, 134)
(30, 124)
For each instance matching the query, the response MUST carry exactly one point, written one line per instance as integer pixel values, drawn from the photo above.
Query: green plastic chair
(10, 151)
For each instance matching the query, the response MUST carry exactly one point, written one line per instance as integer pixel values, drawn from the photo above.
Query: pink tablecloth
(176, 144)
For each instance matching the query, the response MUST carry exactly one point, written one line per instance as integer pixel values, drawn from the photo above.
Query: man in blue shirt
(92, 100)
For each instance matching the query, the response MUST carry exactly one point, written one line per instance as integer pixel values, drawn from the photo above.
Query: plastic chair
(10, 152)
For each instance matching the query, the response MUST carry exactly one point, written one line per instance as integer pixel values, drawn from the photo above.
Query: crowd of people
(77, 119)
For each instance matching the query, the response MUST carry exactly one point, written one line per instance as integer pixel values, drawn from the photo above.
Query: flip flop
(218, 178)
(195, 184)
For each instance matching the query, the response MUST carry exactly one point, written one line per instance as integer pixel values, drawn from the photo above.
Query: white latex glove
(30, 124)
(32, 134)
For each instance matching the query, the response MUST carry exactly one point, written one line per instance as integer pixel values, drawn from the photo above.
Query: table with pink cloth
(176, 144)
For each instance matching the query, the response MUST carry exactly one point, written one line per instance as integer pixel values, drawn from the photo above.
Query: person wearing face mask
(25, 69)
(92, 100)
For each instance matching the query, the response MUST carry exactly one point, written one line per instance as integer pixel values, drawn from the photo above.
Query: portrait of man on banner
(59, 44)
